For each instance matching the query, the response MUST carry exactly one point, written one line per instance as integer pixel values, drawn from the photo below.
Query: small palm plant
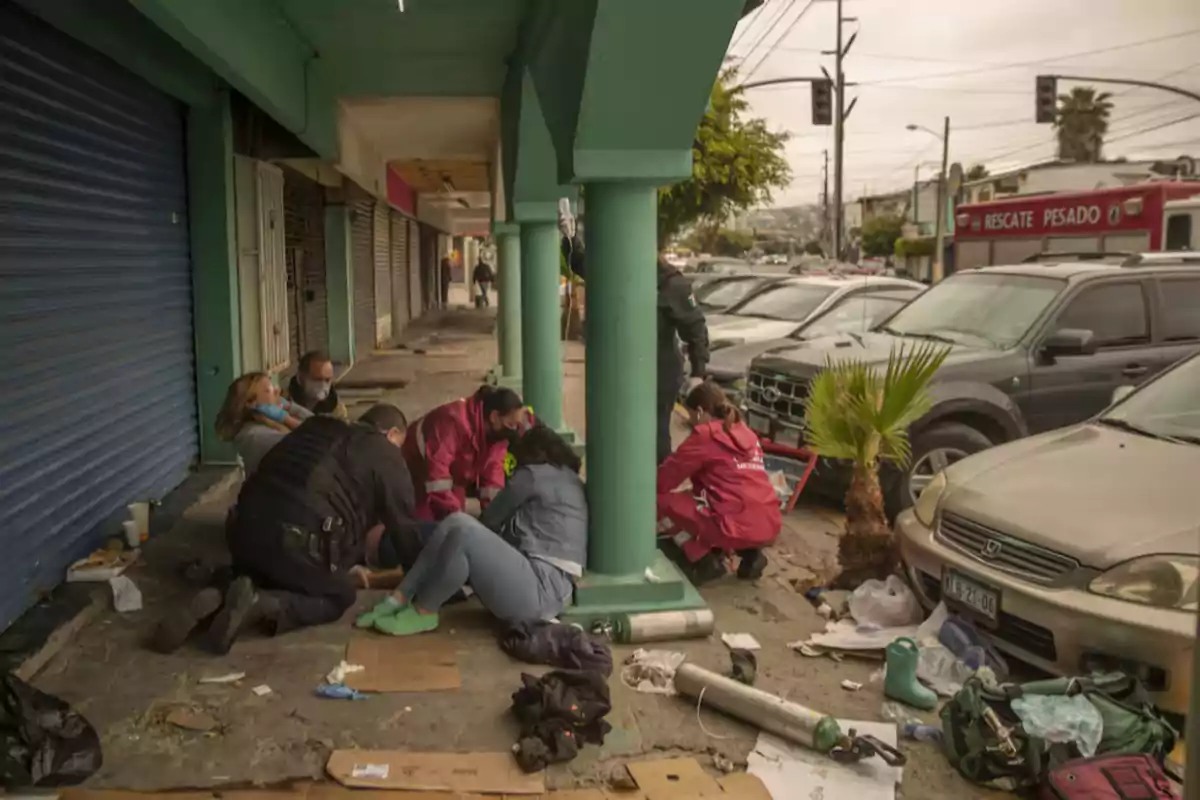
(855, 412)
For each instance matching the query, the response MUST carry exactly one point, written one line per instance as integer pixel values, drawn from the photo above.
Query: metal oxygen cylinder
(786, 719)
(662, 626)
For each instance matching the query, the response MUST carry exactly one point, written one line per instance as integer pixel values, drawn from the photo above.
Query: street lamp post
(939, 269)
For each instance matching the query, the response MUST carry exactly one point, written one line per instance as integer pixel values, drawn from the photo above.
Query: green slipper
(388, 607)
(406, 623)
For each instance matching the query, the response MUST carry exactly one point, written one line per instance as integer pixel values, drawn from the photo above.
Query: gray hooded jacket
(543, 513)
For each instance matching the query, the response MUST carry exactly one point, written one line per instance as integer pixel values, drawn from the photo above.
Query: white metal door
(272, 269)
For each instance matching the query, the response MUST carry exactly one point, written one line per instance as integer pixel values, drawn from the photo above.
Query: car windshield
(792, 302)
(723, 294)
(853, 316)
(1168, 407)
(726, 267)
(977, 309)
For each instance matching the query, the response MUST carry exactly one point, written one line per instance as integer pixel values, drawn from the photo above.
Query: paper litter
(126, 595)
(651, 671)
(740, 641)
(377, 771)
(851, 686)
(232, 677)
(791, 770)
(338, 674)
(846, 634)
(262, 691)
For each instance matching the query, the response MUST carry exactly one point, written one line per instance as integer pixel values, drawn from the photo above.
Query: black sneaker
(708, 568)
(752, 564)
(239, 602)
(177, 626)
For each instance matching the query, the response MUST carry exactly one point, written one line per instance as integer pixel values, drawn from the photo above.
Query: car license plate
(759, 423)
(957, 589)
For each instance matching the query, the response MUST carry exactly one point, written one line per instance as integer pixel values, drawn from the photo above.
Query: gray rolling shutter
(362, 255)
(399, 273)
(415, 307)
(98, 408)
(304, 209)
(383, 274)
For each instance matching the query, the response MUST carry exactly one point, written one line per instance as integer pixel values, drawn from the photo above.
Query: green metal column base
(600, 597)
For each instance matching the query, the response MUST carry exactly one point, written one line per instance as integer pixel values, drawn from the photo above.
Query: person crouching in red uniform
(462, 444)
(732, 506)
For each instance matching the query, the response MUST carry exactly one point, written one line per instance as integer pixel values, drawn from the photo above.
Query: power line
(1048, 60)
(785, 34)
(1153, 128)
(783, 9)
(750, 21)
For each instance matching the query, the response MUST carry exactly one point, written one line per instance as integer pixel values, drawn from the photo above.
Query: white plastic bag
(126, 595)
(1057, 718)
(889, 604)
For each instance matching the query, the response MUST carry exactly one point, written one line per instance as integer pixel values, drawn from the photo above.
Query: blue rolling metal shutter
(98, 406)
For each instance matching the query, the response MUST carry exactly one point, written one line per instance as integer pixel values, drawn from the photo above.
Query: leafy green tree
(1082, 123)
(736, 162)
(729, 242)
(879, 235)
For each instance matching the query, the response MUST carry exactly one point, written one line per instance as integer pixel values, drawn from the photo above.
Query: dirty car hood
(728, 362)
(1093, 492)
(748, 329)
(807, 357)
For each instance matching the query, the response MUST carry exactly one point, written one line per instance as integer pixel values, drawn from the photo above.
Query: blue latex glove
(273, 413)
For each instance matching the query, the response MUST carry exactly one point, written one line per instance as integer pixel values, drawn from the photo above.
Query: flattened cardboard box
(482, 773)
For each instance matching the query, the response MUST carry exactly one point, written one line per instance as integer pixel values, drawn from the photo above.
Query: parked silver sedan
(1078, 548)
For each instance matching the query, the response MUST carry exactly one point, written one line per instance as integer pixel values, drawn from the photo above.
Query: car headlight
(931, 497)
(739, 384)
(1165, 581)
(721, 344)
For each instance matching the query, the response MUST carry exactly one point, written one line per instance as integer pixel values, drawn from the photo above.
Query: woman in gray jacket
(522, 556)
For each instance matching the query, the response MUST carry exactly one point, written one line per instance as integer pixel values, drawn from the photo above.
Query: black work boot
(752, 564)
(234, 615)
(175, 628)
(708, 568)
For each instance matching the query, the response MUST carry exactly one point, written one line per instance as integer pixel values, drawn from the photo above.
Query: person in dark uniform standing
(678, 316)
(299, 531)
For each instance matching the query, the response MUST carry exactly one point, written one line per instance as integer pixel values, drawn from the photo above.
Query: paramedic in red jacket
(732, 505)
(459, 445)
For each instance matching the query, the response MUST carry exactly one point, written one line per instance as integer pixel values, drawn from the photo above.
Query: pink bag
(1111, 777)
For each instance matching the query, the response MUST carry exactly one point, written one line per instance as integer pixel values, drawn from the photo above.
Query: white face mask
(318, 390)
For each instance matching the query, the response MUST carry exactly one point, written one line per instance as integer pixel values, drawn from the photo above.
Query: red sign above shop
(1128, 208)
(400, 194)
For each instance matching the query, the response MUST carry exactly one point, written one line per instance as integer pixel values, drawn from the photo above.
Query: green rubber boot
(388, 607)
(901, 681)
(407, 622)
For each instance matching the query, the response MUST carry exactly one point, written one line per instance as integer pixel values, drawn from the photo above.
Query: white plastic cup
(139, 513)
(133, 537)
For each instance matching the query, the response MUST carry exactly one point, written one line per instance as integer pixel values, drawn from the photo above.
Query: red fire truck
(1127, 219)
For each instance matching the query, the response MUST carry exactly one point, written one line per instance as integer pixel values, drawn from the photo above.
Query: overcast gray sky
(920, 60)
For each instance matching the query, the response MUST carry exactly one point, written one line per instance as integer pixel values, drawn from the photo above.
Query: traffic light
(1047, 98)
(822, 102)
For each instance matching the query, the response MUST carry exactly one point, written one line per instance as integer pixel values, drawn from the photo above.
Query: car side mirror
(1120, 393)
(1069, 342)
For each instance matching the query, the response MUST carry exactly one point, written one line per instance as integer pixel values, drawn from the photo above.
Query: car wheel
(934, 449)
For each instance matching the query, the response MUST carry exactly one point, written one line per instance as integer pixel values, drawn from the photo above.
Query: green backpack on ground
(985, 741)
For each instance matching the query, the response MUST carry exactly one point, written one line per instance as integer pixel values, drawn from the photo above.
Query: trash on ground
(651, 671)
(562, 646)
(467, 773)
(191, 720)
(339, 691)
(262, 691)
(126, 595)
(968, 644)
(723, 764)
(46, 742)
(846, 634)
(900, 681)
(743, 666)
(740, 641)
(851, 686)
(921, 733)
(675, 779)
(559, 712)
(232, 677)
(101, 566)
(1060, 719)
(789, 770)
(338, 674)
(885, 604)
(899, 714)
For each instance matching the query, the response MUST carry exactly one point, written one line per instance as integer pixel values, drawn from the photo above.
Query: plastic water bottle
(921, 733)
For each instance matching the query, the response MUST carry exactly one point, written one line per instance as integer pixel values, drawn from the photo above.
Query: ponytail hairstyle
(709, 398)
(541, 445)
(499, 399)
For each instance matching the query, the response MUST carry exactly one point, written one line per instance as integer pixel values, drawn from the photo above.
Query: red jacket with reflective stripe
(726, 469)
(448, 450)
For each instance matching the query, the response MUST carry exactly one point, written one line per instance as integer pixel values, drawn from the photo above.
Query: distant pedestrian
(446, 275)
(483, 277)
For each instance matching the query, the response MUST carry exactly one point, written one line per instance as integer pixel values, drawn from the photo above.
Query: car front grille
(1029, 636)
(777, 395)
(1002, 552)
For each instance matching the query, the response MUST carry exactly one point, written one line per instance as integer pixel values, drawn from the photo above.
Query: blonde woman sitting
(255, 417)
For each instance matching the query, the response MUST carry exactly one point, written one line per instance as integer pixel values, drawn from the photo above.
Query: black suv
(1032, 347)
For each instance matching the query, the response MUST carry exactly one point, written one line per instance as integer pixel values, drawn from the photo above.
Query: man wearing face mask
(462, 445)
(300, 528)
(312, 386)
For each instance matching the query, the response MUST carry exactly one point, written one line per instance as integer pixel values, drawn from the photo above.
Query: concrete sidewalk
(126, 691)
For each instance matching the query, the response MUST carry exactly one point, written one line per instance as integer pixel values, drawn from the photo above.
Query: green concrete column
(508, 262)
(339, 284)
(541, 343)
(217, 319)
(621, 375)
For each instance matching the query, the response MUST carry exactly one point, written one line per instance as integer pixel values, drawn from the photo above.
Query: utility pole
(939, 267)
(839, 121)
(825, 202)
